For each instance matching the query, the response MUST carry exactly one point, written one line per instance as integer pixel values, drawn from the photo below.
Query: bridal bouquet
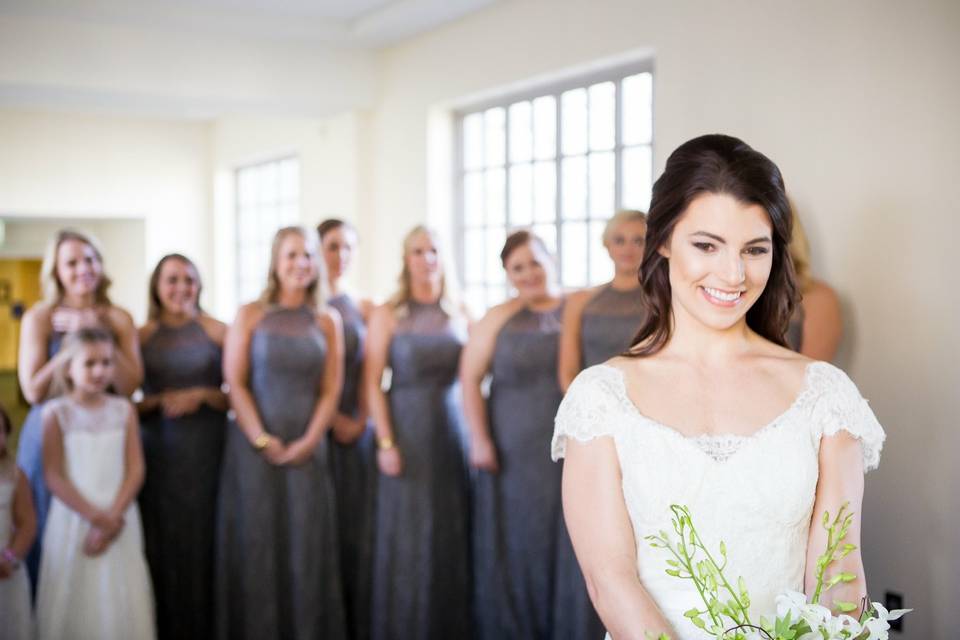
(726, 615)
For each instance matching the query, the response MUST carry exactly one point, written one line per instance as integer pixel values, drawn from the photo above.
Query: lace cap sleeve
(589, 409)
(839, 406)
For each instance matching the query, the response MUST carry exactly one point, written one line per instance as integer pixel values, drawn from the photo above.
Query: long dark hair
(715, 164)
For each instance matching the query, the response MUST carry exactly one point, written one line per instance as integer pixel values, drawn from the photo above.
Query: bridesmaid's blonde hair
(50, 282)
(317, 290)
(624, 215)
(800, 253)
(449, 300)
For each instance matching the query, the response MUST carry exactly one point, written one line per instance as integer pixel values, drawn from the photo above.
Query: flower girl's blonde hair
(72, 344)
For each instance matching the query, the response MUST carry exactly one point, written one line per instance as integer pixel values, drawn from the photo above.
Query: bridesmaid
(74, 296)
(421, 566)
(183, 416)
(816, 327)
(353, 448)
(517, 490)
(278, 574)
(600, 322)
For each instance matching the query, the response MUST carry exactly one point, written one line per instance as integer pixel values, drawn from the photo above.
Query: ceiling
(206, 58)
(349, 23)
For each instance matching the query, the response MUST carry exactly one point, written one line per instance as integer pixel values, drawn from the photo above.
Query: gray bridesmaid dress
(30, 461)
(517, 510)
(421, 567)
(179, 495)
(609, 323)
(277, 563)
(354, 469)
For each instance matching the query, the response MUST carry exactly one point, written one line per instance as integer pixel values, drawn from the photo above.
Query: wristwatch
(385, 444)
(261, 441)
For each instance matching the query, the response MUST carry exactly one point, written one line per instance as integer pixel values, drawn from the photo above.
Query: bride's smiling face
(720, 255)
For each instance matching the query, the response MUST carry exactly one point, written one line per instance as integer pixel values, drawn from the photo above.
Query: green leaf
(698, 623)
(844, 607)
(673, 572)
(723, 549)
(691, 613)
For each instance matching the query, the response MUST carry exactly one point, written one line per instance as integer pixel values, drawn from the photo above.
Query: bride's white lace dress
(754, 492)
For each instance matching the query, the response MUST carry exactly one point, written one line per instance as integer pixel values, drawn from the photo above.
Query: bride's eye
(706, 247)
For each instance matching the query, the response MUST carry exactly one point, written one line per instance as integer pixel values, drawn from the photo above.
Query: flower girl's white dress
(15, 615)
(107, 596)
(755, 493)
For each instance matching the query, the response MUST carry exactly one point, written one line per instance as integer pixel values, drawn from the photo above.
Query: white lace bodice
(755, 492)
(94, 441)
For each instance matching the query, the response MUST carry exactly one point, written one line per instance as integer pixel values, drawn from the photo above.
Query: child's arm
(56, 478)
(133, 467)
(24, 526)
(24, 518)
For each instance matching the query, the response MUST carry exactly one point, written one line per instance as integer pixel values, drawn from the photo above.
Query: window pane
(493, 121)
(574, 188)
(521, 195)
(637, 117)
(602, 185)
(495, 196)
(545, 191)
(636, 178)
(574, 268)
(473, 297)
(246, 188)
(268, 182)
(601, 266)
(495, 239)
(473, 199)
(545, 127)
(573, 107)
(473, 141)
(473, 264)
(603, 115)
(521, 132)
(547, 233)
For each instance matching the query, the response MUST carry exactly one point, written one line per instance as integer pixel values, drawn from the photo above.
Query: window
(268, 198)
(559, 161)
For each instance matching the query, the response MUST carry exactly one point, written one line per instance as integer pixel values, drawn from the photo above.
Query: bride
(709, 409)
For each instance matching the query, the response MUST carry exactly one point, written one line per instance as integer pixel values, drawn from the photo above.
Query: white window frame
(556, 90)
(276, 204)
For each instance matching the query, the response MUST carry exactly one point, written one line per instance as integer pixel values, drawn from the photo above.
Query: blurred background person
(183, 420)
(816, 327)
(74, 297)
(18, 527)
(421, 566)
(600, 322)
(277, 568)
(353, 451)
(516, 509)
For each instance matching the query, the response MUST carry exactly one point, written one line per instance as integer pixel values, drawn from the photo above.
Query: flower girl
(18, 526)
(93, 575)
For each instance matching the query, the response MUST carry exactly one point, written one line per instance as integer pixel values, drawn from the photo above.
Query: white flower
(879, 626)
(791, 602)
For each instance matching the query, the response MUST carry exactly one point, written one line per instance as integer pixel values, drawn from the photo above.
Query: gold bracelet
(385, 444)
(261, 441)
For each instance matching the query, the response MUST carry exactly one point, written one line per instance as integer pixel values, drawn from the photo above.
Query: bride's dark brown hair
(715, 164)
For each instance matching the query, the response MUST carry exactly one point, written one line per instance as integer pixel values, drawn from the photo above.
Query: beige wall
(122, 242)
(66, 166)
(857, 101)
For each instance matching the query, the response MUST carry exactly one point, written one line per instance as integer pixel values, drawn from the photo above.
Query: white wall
(67, 166)
(162, 69)
(857, 102)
